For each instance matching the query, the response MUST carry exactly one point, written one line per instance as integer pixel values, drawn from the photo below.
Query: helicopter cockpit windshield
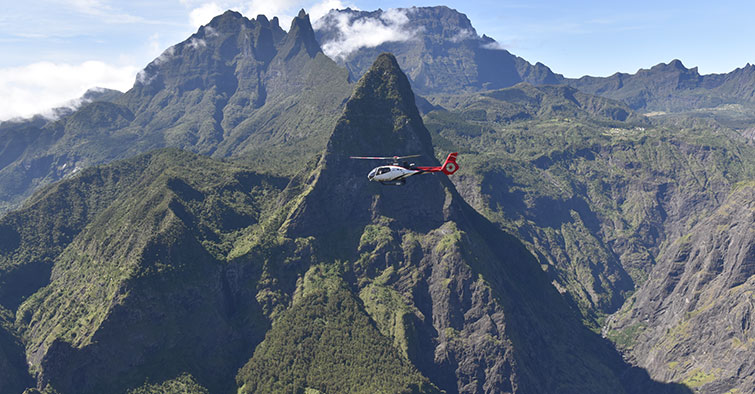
(378, 171)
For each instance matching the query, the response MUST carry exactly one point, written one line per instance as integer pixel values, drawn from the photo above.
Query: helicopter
(395, 174)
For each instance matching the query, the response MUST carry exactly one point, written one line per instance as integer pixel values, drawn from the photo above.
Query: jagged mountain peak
(380, 118)
(673, 65)
(232, 22)
(262, 19)
(370, 226)
(227, 38)
(226, 17)
(301, 35)
(676, 63)
(235, 86)
(384, 97)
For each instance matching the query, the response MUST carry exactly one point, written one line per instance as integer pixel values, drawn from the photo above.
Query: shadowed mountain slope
(692, 321)
(466, 303)
(14, 377)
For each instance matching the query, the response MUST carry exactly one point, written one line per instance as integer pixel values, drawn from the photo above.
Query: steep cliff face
(14, 377)
(465, 303)
(131, 286)
(437, 47)
(238, 87)
(692, 320)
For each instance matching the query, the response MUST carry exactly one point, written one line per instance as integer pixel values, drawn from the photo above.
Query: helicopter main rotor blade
(370, 158)
(383, 157)
(405, 157)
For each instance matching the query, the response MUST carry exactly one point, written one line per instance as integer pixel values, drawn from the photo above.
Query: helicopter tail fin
(450, 166)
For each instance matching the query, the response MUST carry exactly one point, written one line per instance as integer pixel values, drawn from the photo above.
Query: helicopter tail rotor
(450, 166)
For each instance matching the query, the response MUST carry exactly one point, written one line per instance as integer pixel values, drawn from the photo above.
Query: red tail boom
(448, 167)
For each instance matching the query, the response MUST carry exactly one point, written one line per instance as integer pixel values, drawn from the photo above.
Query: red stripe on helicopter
(449, 166)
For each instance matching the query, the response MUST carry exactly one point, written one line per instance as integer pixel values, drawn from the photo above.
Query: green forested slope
(139, 282)
(178, 269)
(595, 198)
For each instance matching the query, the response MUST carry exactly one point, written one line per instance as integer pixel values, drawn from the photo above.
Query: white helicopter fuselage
(391, 173)
(395, 174)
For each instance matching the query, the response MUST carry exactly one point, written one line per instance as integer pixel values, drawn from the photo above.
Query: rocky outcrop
(692, 320)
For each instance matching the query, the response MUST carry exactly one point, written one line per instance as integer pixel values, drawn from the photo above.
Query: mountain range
(441, 52)
(229, 90)
(206, 231)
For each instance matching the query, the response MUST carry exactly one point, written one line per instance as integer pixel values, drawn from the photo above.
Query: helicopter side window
(383, 170)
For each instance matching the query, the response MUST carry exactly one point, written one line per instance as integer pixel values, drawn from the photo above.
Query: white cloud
(391, 25)
(167, 54)
(210, 32)
(319, 10)
(197, 43)
(204, 14)
(494, 45)
(462, 35)
(283, 9)
(104, 11)
(37, 88)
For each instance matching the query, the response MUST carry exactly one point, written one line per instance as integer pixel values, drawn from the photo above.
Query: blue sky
(52, 50)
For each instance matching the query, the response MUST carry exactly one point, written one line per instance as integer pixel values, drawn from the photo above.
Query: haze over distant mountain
(436, 46)
(442, 53)
(672, 87)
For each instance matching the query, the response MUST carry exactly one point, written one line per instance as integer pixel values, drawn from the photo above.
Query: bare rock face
(692, 320)
(14, 377)
(437, 47)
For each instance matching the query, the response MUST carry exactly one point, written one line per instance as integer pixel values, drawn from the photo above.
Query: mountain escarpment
(692, 320)
(239, 88)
